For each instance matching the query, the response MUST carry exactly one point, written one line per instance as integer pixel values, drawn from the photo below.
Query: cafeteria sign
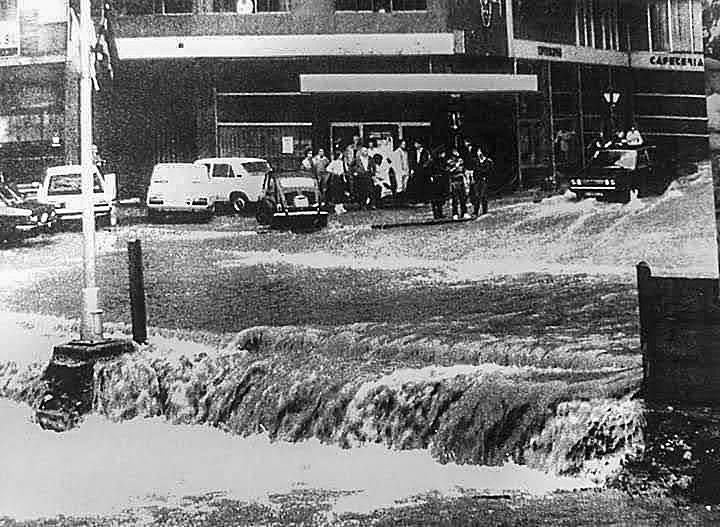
(9, 29)
(668, 61)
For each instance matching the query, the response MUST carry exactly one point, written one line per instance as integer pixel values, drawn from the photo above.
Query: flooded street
(479, 343)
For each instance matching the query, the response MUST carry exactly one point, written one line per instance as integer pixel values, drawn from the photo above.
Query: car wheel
(153, 216)
(321, 222)
(263, 214)
(622, 196)
(238, 202)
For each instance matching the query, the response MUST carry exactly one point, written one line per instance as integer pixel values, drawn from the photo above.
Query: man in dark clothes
(363, 172)
(438, 184)
(419, 165)
(483, 172)
(456, 174)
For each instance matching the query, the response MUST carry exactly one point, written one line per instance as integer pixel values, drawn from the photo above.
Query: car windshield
(7, 195)
(297, 182)
(615, 159)
(256, 166)
(176, 173)
(63, 184)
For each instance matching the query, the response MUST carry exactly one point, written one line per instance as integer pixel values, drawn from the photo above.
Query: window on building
(145, 7)
(682, 25)
(380, 5)
(251, 6)
(658, 24)
(545, 20)
(584, 23)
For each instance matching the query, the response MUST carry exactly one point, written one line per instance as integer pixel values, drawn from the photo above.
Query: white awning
(417, 83)
(253, 46)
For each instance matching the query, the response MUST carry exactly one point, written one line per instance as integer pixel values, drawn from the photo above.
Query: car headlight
(607, 181)
(33, 218)
(279, 206)
(612, 182)
(44, 217)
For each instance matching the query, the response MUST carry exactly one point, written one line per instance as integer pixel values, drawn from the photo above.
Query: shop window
(382, 6)
(659, 26)
(251, 6)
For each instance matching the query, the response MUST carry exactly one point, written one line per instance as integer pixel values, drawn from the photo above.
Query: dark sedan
(618, 173)
(291, 198)
(22, 218)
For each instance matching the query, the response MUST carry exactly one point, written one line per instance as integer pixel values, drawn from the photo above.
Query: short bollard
(137, 292)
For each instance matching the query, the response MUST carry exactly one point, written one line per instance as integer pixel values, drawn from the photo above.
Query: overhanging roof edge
(418, 83)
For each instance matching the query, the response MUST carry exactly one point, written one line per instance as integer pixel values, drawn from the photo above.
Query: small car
(180, 188)
(20, 218)
(236, 181)
(291, 198)
(62, 188)
(617, 172)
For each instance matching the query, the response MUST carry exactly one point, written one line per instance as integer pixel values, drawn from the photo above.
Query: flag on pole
(106, 53)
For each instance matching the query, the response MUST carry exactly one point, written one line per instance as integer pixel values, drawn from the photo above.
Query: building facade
(271, 78)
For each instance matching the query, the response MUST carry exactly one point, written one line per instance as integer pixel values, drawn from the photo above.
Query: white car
(62, 187)
(177, 188)
(237, 181)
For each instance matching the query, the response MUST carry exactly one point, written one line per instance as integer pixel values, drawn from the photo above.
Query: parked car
(180, 188)
(617, 172)
(62, 188)
(21, 218)
(236, 181)
(291, 198)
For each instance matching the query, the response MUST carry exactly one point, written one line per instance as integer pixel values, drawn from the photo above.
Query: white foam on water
(102, 468)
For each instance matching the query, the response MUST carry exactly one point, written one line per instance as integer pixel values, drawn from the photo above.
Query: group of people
(374, 173)
(632, 138)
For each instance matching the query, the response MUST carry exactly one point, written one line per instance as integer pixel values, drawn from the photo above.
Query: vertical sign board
(9, 28)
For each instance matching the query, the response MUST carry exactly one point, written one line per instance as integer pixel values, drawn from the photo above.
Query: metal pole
(91, 326)
(137, 292)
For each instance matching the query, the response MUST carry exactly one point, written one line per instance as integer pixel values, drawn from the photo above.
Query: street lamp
(612, 98)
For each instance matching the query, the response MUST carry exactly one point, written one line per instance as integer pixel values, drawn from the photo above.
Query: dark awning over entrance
(417, 83)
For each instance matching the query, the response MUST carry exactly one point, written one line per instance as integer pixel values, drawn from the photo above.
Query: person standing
(307, 162)
(363, 172)
(483, 172)
(456, 174)
(438, 184)
(401, 167)
(336, 183)
(419, 164)
(320, 163)
(350, 156)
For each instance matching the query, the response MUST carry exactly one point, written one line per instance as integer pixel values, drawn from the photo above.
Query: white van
(180, 188)
(62, 187)
(237, 181)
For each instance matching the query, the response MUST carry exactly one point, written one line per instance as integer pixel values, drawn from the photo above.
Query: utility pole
(91, 329)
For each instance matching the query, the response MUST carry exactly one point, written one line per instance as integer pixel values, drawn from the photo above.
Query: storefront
(181, 110)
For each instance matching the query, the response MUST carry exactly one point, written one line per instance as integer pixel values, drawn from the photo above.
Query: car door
(223, 180)
(254, 173)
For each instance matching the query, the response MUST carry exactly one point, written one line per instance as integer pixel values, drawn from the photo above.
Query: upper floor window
(668, 25)
(545, 20)
(149, 7)
(659, 25)
(598, 24)
(251, 6)
(382, 6)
